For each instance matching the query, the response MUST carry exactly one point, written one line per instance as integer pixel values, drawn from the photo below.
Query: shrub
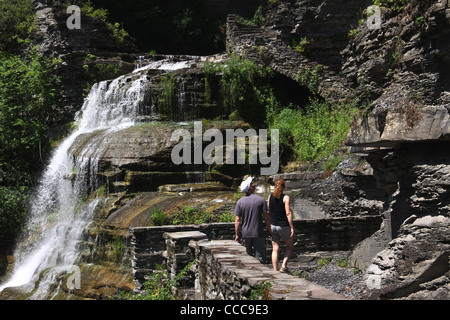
(191, 215)
(159, 286)
(13, 209)
(28, 91)
(261, 291)
(314, 132)
(310, 78)
(17, 21)
(159, 217)
(118, 34)
(227, 217)
(244, 87)
(395, 5)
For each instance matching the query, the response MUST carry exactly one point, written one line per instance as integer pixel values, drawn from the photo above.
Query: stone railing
(225, 272)
(173, 247)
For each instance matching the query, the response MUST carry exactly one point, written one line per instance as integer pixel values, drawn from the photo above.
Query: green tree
(17, 21)
(28, 91)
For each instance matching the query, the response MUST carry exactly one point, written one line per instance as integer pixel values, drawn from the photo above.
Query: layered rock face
(88, 54)
(404, 67)
(399, 167)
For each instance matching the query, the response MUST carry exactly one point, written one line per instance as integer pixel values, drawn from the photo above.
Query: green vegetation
(118, 249)
(300, 45)
(243, 86)
(17, 21)
(342, 262)
(310, 78)
(313, 132)
(117, 32)
(256, 21)
(97, 71)
(261, 291)
(167, 103)
(395, 5)
(191, 215)
(227, 217)
(187, 215)
(167, 27)
(158, 217)
(331, 164)
(307, 133)
(323, 262)
(159, 286)
(28, 93)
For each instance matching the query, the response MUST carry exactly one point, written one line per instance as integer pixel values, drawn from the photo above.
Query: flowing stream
(59, 213)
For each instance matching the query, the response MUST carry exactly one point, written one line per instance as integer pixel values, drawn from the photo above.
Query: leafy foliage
(13, 208)
(28, 91)
(184, 27)
(158, 217)
(244, 87)
(313, 132)
(395, 5)
(27, 94)
(116, 30)
(159, 286)
(17, 21)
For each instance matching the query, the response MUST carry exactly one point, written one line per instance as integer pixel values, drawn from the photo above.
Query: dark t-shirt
(251, 209)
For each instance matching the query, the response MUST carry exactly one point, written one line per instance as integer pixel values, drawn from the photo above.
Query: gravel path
(323, 268)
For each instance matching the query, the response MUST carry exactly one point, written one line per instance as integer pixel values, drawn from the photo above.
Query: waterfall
(59, 216)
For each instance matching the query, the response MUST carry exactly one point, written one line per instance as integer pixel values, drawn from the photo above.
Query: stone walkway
(234, 260)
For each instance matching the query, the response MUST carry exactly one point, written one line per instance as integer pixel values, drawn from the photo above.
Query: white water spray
(58, 216)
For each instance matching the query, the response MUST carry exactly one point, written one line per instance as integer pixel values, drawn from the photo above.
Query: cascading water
(58, 215)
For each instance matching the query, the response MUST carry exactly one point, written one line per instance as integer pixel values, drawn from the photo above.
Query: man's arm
(267, 216)
(237, 224)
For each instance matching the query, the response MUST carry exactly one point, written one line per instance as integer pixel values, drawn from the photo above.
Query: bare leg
(275, 250)
(288, 252)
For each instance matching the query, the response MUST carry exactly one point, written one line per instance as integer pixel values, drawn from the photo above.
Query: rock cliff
(399, 168)
(88, 54)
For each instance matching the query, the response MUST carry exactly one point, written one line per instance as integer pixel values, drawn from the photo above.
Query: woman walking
(281, 224)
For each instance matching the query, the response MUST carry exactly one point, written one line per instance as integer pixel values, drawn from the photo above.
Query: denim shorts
(280, 233)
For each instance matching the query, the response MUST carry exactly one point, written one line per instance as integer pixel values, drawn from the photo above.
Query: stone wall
(225, 272)
(149, 244)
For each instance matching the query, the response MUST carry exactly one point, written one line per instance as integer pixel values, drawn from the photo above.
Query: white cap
(245, 185)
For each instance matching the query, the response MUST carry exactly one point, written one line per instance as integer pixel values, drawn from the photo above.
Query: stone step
(195, 187)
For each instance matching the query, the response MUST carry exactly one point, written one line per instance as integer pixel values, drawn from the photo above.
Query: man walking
(249, 213)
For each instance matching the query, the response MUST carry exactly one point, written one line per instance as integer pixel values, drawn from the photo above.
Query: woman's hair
(279, 187)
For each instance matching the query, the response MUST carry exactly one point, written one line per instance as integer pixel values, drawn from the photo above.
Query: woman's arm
(287, 206)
